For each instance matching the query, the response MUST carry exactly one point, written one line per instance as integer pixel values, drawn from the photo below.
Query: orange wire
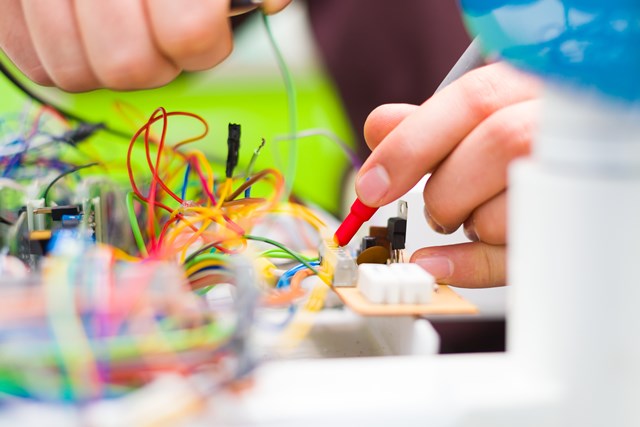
(278, 297)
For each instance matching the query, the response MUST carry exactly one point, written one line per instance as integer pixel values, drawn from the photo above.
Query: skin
(465, 136)
(485, 118)
(81, 45)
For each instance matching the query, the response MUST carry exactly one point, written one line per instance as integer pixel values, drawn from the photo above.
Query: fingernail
(373, 185)
(470, 232)
(433, 224)
(440, 267)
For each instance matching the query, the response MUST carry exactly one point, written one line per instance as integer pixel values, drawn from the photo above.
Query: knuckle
(512, 134)
(39, 76)
(191, 34)
(133, 70)
(481, 92)
(487, 273)
(74, 79)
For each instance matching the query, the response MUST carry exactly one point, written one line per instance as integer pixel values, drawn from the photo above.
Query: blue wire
(285, 279)
(279, 326)
(212, 267)
(247, 192)
(186, 181)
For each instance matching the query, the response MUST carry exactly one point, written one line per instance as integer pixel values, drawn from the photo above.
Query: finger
(194, 35)
(468, 265)
(476, 170)
(273, 6)
(488, 223)
(16, 42)
(383, 120)
(57, 41)
(427, 136)
(119, 45)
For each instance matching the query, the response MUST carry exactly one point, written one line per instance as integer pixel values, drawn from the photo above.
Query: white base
(573, 266)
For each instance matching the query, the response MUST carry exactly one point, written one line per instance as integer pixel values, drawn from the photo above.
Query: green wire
(135, 227)
(279, 253)
(284, 248)
(291, 101)
(205, 257)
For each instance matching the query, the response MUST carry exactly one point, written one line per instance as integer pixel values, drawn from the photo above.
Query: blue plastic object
(592, 44)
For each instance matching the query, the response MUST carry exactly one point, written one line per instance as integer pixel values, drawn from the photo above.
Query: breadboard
(444, 301)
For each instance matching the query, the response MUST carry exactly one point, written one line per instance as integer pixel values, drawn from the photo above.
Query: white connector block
(338, 266)
(416, 285)
(400, 283)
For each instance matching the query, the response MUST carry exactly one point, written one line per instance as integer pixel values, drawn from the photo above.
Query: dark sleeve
(381, 51)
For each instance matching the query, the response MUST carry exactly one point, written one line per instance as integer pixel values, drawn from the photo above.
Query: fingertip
(373, 185)
(383, 119)
(439, 266)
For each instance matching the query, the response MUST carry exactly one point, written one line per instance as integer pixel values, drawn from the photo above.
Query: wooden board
(444, 301)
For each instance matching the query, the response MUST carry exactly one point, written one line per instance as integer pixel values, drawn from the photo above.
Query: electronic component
(373, 255)
(416, 285)
(233, 145)
(397, 232)
(380, 235)
(337, 265)
(400, 283)
(57, 212)
(367, 242)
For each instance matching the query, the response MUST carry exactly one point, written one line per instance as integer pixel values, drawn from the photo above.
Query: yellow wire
(203, 264)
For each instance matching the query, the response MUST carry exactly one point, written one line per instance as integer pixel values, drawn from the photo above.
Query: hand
(465, 135)
(119, 44)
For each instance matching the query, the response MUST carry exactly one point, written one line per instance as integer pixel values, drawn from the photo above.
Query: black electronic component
(397, 232)
(368, 242)
(59, 212)
(233, 144)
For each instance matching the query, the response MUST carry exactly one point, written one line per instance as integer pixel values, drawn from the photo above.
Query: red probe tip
(358, 215)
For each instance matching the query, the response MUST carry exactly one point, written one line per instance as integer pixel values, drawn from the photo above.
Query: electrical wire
(284, 248)
(351, 154)
(4, 70)
(45, 193)
(291, 105)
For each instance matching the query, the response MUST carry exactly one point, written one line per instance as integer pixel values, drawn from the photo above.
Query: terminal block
(400, 283)
(338, 267)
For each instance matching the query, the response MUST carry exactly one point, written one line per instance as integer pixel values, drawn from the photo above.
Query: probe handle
(358, 215)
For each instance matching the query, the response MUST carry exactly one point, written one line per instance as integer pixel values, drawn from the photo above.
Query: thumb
(468, 265)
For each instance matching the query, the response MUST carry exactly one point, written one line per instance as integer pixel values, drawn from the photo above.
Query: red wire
(203, 180)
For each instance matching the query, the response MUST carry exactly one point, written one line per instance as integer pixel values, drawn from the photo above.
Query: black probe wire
(68, 114)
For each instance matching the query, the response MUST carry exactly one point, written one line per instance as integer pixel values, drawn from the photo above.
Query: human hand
(117, 44)
(465, 135)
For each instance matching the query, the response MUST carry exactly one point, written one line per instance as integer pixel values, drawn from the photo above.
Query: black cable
(5, 221)
(62, 175)
(68, 114)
